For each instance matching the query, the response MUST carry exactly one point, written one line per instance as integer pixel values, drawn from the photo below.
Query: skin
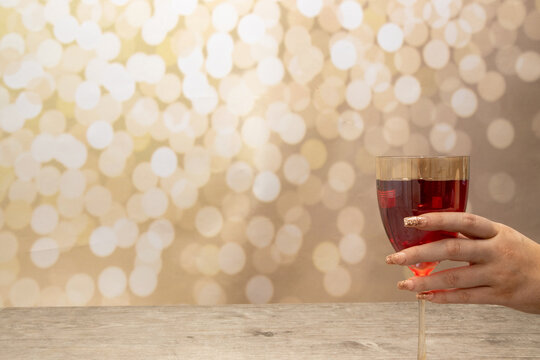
(504, 265)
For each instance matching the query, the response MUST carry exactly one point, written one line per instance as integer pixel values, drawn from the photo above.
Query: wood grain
(279, 331)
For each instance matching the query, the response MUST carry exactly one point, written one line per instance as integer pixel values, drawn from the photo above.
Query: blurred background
(211, 152)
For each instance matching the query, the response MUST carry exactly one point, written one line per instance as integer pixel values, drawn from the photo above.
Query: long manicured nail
(397, 258)
(428, 295)
(414, 221)
(405, 285)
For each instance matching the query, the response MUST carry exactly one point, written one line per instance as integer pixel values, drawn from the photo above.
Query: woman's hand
(504, 265)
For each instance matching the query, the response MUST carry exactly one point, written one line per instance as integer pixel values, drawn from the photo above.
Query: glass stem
(421, 330)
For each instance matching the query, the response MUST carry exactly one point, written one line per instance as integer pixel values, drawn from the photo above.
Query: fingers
(472, 226)
(477, 295)
(473, 251)
(462, 277)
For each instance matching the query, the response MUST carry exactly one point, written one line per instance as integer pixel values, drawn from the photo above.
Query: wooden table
(299, 331)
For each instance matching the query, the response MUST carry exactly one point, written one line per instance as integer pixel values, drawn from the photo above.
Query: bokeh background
(209, 152)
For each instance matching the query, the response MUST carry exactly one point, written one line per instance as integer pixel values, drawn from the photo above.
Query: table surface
(276, 331)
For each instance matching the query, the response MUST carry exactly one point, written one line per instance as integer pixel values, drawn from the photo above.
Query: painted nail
(414, 221)
(405, 285)
(424, 295)
(397, 258)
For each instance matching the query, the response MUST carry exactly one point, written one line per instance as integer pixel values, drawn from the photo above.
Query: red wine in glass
(403, 198)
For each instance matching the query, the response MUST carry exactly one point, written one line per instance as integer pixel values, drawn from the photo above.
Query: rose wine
(403, 198)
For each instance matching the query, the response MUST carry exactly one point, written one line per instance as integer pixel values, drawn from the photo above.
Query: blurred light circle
(350, 14)
(442, 137)
(293, 129)
(209, 293)
(436, 54)
(326, 256)
(270, 71)
(155, 202)
(309, 8)
(126, 231)
(528, 66)
(502, 187)
(103, 241)
(375, 142)
(407, 89)
(44, 219)
(350, 125)
(358, 94)
(255, 132)
(88, 35)
(24, 292)
(396, 131)
(352, 248)
(350, 220)
(472, 68)
(492, 86)
(337, 282)
(260, 231)
(511, 14)
(49, 53)
(343, 54)
(390, 37)
(164, 161)
(143, 280)
(500, 133)
(251, 28)
(184, 7)
(232, 258)
(9, 246)
(289, 239)
(65, 29)
(259, 289)
(87, 95)
(112, 282)
(72, 183)
(239, 176)
(209, 221)
(464, 102)
(224, 17)
(100, 134)
(80, 289)
(341, 176)
(44, 252)
(296, 169)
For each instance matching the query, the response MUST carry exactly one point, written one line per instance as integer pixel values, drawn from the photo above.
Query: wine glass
(415, 185)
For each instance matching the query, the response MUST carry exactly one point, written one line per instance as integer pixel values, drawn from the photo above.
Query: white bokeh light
(164, 161)
(309, 8)
(251, 28)
(224, 17)
(266, 186)
(87, 95)
(112, 282)
(464, 102)
(343, 54)
(44, 252)
(100, 134)
(88, 35)
(350, 14)
(407, 89)
(270, 71)
(103, 241)
(390, 37)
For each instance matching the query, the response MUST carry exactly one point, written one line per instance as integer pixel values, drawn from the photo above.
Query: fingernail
(405, 285)
(424, 295)
(397, 258)
(414, 221)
